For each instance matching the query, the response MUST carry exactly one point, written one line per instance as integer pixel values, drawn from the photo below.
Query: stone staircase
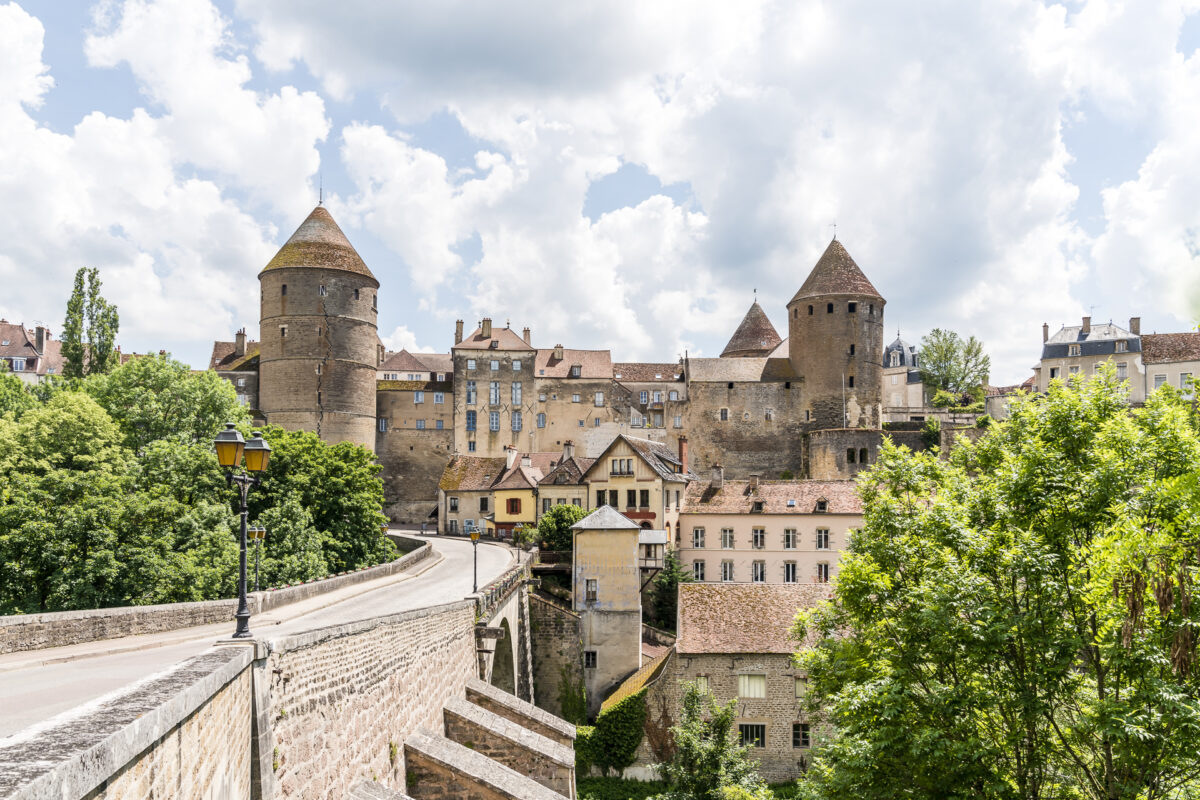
(492, 746)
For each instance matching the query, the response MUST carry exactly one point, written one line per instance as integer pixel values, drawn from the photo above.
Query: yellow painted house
(515, 492)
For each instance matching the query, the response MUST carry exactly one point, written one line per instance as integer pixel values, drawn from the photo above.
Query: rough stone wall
(412, 463)
(747, 443)
(557, 651)
(828, 456)
(549, 763)
(488, 443)
(345, 699)
(321, 375)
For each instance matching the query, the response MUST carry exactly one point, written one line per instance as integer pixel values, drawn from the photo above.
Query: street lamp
(231, 450)
(475, 552)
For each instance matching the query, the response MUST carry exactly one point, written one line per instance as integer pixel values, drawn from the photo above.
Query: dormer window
(1072, 350)
(895, 359)
(576, 370)
(1122, 346)
(822, 506)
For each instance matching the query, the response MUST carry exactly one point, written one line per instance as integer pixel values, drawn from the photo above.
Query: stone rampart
(60, 628)
(558, 658)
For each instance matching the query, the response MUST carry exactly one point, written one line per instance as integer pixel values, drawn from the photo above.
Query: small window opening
(810, 311)
(283, 290)
(851, 349)
(862, 455)
(850, 455)
(322, 290)
(356, 294)
(851, 308)
(850, 381)
(829, 308)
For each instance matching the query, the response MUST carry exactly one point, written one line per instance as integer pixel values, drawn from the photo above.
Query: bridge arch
(504, 663)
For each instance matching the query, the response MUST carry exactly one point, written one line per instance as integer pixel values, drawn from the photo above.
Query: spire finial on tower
(320, 189)
(834, 226)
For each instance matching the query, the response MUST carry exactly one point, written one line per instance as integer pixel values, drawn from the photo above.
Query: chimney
(558, 352)
(525, 335)
(458, 331)
(683, 454)
(510, 456)
(753, 483)
(1135, 326)
(485, 327)
(718, 476)
(568, 450)
(1087, 325)
(40, 339)
(239, 343)
(1045, 332)
(526, 460)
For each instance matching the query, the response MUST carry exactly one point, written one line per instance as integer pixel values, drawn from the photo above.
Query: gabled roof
(470, 473)
(1163, 348)
(568, 473)
(908, 353)
(505, 339)
(713, 617)
(320, 243)
(735, 497)
(527, 477)
(605, 518)
(22, 343)
(225, 357)
(403, 361)
(835, 273)
(748, 369)
(657, 455)
(646, 372)
(437, 362)
(591, 363)
(755, 336)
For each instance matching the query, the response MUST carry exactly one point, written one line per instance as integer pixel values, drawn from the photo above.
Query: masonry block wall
(345, 699)
(558, 653)
(412, 462)
(746, 442)
(829, 452)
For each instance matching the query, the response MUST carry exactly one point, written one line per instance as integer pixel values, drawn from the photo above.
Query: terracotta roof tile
(835, 273)
(591, 363)
(1162, 348)
(568, 473)
(755, 336)
(735, 497)
(224, 356)
(22, 343)
(646, 372)
(320, 243)
(470, 473)
(505, 339)
(713, 616)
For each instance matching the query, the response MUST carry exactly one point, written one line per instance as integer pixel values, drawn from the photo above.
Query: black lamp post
(475, 554)
(231, 448)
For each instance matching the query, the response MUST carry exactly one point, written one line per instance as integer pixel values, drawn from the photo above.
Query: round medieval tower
(318, 332)
(835, 343)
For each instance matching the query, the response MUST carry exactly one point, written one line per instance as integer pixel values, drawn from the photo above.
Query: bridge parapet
(491, 597)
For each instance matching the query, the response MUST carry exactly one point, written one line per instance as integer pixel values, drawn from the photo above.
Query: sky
(620, 175)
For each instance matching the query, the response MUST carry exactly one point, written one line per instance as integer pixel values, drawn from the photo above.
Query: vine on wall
(612, 743)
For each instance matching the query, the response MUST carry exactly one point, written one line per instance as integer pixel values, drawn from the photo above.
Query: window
(753, 734)
(471, 446)
(862, 455)
(516, 393)
(1185, 384)
(470, 363)
(789, 572)
(599, 497)
(752, 686)
(453, 501)
(726, 538)
(658, 397)
(823, 572)
(1159, 380)
(495, 365)
(894, 361)
(589, 659)
(822, 538)
(483, 505)
(631, 498)
(829, 308)
(727, 571)
(1122, 346)
(592, 588)
(643, 397)
(439, 424)
(1054, 373)
(698, 570)
(470, 393)
(595, 422)
(849, 381)
(822, 506)
(18, 364)
(494, 393)
(356, 294)
(801, 686)
(770, 414)
(420, 424)
(575, 501)
(599, 399)
(758, 571)
(851, 307)
(494, 421)
(759, 536)
(810, 311)
(322, 290)
(470, 420)
(1122, 370)
(575, 398)
(673, 395)
(575, 371)
(850, 455)
(439, 398)
(545, 504)
(516, 420)
(283, 290)
(1073, 369)
(800, 735)
(418, 397)
(441, 376)
(678, 420)
(1072, 350)
(383, 424)
(516, 364)
(789, 537)
(644, 498)
(283, 331)
(701, 682)
(454, 526)
(851, 349)
(541, 420)
(514, 505)
(724, 415)
(612, 497)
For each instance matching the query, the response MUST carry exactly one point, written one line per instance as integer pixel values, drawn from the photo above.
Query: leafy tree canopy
(554, 528)
(1019, 621)
(953, 364)
(89, 328)
(15, 397)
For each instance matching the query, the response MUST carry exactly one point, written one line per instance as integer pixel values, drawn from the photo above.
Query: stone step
(370, 790)
(439, 769)
(546, 761)
(519, 711)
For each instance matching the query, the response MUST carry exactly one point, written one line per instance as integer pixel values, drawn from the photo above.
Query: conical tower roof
(756, 336)
(836, 273)
(320, 243)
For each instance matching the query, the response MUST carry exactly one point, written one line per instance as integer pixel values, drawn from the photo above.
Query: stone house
(1171, 359)
(904, 397)
(754, 531)
(564, 484)
(31, 355)
(406, 366)
(645, 480)
(657, 394)
(515, 492)
(237, 362)
(1081, 349)
(493, 387)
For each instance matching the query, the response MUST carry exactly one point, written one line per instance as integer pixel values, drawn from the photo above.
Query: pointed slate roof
(755, 336)
(320, 243)
(604, 518)
(835, 273)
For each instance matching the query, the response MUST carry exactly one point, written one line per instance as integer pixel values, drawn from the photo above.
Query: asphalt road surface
(32, 691)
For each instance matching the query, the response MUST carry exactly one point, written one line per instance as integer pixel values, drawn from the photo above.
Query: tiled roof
(403, 361)
(224, 356)
(638, 372)
(755, 336)
(505, 339)
(735, 497)
(470, 473)
(1073, 334)
(742, 618)
(527, 477)
(720, 370)
(654, 658)
(319, 242)
(1162, 348)
(662, 459)
(568, 473)
(605, 518)
(437, 362)
(22, 343)
(835, 273)
(592, 364)
(414, 386)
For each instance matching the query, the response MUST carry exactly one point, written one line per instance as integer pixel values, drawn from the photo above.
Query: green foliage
(931, 434)
(292, 551)
(89, 329)
(984, 422)
(554, 528)
(943, 399)
(664, 596)
(787, 475)
(572, 696)
(708, 760)
(608, 788)
(952, 364)
(524, 535)
(15, 397)
(583, 748)
(1018, 621)
(612, 742)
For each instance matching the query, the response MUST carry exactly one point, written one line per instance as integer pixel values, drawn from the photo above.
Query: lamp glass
(475, 535)
(229, 445)
(257, 453)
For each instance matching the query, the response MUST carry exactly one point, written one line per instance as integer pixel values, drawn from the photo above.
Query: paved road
(31, 692)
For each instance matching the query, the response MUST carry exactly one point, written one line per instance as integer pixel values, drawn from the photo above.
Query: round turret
(319, 340)
(835, 343)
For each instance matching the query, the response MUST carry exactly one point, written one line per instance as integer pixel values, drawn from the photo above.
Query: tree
(89, 329)
(707, 759)
(1018, 621)
(950, 363)
(15, 397)
(554, 528)
(664, 597)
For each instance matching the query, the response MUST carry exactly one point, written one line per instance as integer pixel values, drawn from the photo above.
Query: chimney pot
(458, 331)
(239, 343)
(486, 328)
(1087, 325)
(1045, 332)
(718, 476)
(754, 483)
(1135, 326)
(526, 336)
(40, 336)
(683, 454)
(558, 352)
(568, 450)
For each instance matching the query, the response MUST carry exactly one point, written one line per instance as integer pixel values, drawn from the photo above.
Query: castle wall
(822, 332)
(747, 443)
(829, 457)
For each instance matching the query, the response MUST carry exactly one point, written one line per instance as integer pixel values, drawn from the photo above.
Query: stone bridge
(430, 702)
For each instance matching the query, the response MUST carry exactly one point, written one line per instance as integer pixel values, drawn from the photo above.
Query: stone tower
(835, 329)
(318, 335)
(754, 338)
